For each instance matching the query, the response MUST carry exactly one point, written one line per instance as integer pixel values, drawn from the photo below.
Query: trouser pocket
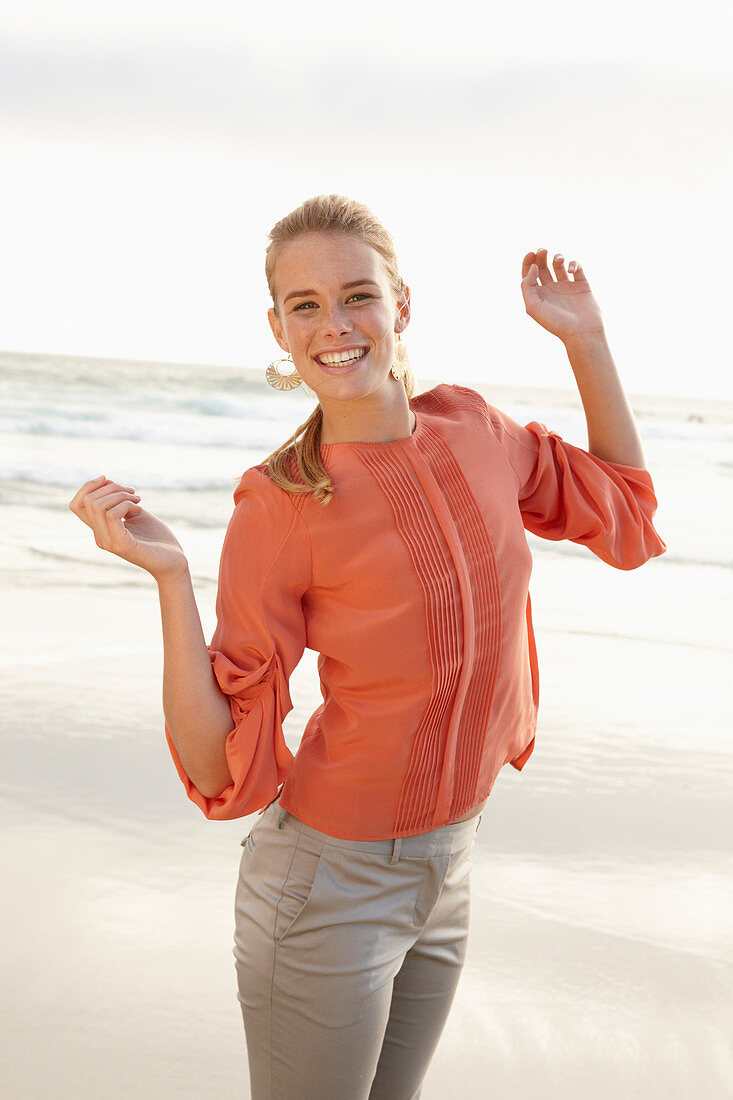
(297, 889)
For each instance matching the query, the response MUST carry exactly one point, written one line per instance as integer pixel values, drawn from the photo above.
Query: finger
(577, 272)
(126, 509)
(558, 266)
(99, 505)
(527, 262)
(530, 279)
(108, 483)
(95, 508)
(530, 291)
(110, 489)
(93, 490)
(545, 273)
(113, 535)
(529, 284)
(87, 487)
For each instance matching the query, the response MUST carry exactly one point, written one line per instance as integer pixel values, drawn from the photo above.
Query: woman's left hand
(564, 306)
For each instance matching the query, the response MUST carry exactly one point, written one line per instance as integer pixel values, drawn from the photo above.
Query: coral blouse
(412, 586)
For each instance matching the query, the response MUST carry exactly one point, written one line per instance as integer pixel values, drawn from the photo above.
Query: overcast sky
(148, 147)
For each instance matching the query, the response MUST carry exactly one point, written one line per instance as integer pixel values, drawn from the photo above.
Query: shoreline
(685, 406)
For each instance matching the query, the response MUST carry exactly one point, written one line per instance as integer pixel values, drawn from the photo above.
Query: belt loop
(281, 818)
(396, 847)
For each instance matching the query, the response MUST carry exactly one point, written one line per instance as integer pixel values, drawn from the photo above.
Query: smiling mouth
(341, 358)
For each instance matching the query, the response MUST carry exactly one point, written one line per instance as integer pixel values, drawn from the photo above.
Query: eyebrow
(345, 286)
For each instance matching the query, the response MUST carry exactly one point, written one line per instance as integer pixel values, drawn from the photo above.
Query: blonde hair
(296, 464)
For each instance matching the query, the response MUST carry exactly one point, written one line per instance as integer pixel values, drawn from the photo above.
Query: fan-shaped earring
(401, 361)
(280, 381)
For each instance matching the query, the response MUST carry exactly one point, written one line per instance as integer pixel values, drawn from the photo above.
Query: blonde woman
(388, 535)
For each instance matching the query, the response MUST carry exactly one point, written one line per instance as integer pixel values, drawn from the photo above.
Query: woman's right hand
(123, 528)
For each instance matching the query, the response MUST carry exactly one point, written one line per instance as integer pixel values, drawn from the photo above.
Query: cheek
(381, 323)
(298, 332)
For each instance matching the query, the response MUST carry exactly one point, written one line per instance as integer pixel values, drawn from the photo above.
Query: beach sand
(599, 958)
(599, 961)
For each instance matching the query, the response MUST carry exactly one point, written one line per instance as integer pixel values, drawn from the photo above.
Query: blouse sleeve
(260, 636)
(565, 492)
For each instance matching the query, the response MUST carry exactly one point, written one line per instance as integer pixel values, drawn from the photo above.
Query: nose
(335, 320)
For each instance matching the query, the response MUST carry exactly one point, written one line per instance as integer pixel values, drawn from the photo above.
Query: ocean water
(600, 957)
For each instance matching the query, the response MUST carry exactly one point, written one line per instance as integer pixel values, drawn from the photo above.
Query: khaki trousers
(348, 956)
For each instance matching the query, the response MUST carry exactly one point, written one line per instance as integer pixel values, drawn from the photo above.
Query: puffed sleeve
(265, 570)
(564, 492)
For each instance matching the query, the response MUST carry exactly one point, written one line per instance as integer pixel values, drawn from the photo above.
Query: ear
(277, 330)
(403, 310)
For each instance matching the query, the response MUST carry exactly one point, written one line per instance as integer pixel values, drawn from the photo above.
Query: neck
(376, 418)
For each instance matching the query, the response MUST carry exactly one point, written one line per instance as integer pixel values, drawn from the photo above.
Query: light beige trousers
(348, 956)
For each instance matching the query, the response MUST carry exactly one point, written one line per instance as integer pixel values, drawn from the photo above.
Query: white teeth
(330, 359)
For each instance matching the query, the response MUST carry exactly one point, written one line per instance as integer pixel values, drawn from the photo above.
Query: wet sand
(599, 960)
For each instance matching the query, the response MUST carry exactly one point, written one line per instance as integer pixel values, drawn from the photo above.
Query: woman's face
(337, 314)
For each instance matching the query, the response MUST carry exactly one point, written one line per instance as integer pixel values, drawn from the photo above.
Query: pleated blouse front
(412, 585)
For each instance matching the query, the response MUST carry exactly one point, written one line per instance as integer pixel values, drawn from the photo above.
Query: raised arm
(197, 712)
(566, 308)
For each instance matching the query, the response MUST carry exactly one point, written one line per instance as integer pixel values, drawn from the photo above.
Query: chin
(351, 386)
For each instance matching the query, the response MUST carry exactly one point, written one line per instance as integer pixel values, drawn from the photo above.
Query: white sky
(147, 148)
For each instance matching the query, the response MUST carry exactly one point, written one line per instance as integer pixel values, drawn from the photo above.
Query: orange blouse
(412, 586)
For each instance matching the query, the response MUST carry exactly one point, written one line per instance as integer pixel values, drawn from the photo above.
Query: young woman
(388, 535)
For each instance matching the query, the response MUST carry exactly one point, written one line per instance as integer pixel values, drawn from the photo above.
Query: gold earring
(280, 381)
(402, 362)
